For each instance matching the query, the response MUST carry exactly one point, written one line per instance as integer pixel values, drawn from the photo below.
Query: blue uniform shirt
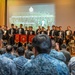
(8, 55)
(7, 66)
(20, 61)
(44, 64)
(61, 67)
(57, 55)
(71, 66)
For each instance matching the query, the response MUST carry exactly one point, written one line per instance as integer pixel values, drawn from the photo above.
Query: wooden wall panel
(2, 12)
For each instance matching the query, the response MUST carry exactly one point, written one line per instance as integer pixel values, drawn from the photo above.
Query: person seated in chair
(8, 53)
(21, 60)
(43, 63)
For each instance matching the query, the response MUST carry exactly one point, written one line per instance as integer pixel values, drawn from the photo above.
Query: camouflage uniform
(57, 55)
(44, 64)
(7, 66)
(72, 65)
(8, 55)
(20, 61)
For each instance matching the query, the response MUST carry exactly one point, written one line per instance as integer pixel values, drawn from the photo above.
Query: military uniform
(43, 64)
(7, 66)
(61, 67)
(20, 61)
(8, 55)
(57, 55)
(72, 65)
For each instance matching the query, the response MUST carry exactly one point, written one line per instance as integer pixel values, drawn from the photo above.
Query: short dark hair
(21, 51)
(9, 48)
(30, 47)
(12, 24)
(42, 43)
(4, 43)
(21, 24)
(53, 43)
(63, 46)
(53, 26)
(15, 47)
(2, 51)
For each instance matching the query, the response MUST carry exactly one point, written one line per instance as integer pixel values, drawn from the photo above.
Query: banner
(31, 38)
(23, 39)
(17, 36)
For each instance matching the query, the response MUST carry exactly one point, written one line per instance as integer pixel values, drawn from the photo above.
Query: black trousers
(11, 40)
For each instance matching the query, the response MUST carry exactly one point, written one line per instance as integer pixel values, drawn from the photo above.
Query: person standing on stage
(68, 34)
(16, 27)
(52, 32)
(60, 36)
(26, 30)
(48, 30)
(21, 30)
(1, 34)
(5, 34)
(11, 32)
(38, 30)
(31, 32)
(43, 31)
(56, 33)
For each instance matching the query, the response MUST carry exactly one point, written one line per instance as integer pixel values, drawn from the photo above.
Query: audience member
(21, 60)
(71, 66)
(2, 51)
(7, 66)
(56, 54)
(38, 30)
(8, 53)
(66, 53)
(28, 52)
(43, 63)
(14, 52)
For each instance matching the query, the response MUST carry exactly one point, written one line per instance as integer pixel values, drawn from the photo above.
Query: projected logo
(31, 9)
